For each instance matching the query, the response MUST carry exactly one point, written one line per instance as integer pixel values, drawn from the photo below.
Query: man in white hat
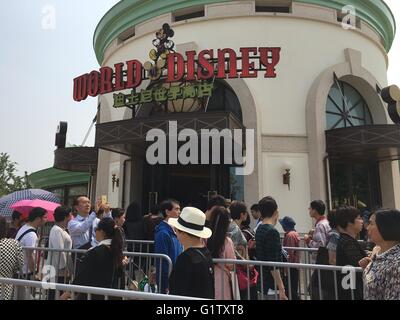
(193, 273)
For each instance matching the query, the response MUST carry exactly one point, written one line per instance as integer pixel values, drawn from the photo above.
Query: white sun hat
(191, 220)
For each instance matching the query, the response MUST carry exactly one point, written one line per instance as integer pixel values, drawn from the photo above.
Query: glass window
(345, 107)
(236, 185)
(77, 190)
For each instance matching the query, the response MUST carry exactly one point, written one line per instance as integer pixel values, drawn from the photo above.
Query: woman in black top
(102, 265)
(193, 274)
(349, 251)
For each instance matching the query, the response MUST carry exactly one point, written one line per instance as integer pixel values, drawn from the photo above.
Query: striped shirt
(320, 236)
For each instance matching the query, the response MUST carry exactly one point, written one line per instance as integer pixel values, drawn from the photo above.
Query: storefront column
(390, 184)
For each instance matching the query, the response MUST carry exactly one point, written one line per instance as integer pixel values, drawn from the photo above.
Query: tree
(9, 181)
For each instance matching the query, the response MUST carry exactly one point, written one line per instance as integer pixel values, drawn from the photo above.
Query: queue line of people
(192, 239)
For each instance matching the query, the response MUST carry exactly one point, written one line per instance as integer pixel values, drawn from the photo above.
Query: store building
(322, 128)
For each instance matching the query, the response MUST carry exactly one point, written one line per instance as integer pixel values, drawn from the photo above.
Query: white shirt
(28, 240)
(258, 224)
(59, 239)
(79, 229)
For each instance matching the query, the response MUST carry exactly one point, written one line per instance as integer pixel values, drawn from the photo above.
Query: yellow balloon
(153, 54)
(161, 63)
(148, 65)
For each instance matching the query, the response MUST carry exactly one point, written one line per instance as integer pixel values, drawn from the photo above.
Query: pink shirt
(222, 275)
(292, 239)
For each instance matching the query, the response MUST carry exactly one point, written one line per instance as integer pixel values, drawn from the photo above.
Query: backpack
(25, 233)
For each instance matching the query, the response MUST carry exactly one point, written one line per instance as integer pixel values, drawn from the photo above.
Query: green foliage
(9, 181)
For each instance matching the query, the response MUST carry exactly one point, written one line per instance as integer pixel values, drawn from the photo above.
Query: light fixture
(286, 175)
(115, 181)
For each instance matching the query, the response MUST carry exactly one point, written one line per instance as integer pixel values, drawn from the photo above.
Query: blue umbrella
(28, 194)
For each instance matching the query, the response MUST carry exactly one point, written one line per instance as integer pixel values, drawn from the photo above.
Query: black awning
(364, 143)
(78, 159)
(125, 136)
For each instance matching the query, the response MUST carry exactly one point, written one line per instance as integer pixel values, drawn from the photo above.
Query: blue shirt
(79, 229)
(166, 243)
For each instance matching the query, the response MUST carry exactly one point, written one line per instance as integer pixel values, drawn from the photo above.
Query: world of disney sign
(195, 69)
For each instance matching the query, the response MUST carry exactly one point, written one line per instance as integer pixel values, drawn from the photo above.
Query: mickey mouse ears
(168, 31)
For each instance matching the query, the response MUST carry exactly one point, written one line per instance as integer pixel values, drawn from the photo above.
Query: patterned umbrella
(28, 194)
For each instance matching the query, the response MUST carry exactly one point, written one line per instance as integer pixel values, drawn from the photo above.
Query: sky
(38, 61)
(45, 45)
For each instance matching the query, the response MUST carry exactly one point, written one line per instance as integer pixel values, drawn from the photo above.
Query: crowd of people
(192, 238)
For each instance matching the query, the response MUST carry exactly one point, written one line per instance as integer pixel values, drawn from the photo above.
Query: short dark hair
(167, 205)
(216, 200)
(16, 215)
(3, 227)
(61, 213)
(36, 213)
(117, 213)
(332, 219)
(346, 215)
(255, 207)
(133, 212)
(76, 200)
(246, 223)
(388, 223)
(319, 206)
(236, 209)
(267, 206)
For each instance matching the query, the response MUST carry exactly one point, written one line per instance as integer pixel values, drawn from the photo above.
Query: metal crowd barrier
(140, 245)
(137, 268)
(307, 256)
(145, 246)
(250, 292)
(91, 292)
(304, 284)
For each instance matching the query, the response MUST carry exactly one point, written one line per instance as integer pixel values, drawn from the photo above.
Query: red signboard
(249, 62)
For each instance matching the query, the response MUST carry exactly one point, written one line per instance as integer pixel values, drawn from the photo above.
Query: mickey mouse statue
(164, 46)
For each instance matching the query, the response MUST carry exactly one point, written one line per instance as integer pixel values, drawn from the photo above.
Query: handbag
(243, 280)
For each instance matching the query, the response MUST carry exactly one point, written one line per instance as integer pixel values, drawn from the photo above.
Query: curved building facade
(318, 116)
